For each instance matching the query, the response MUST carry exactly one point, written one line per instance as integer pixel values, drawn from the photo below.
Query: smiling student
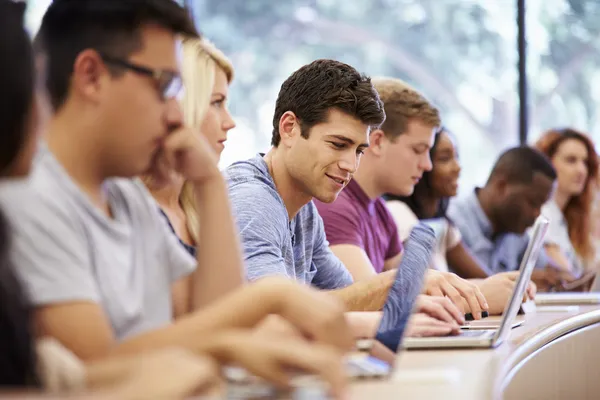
(323, 117)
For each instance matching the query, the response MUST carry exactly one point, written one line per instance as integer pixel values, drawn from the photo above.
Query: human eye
(337, 145)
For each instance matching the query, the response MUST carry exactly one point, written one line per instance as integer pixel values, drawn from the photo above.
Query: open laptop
(375, 358)
(493, 337)
(573, 298)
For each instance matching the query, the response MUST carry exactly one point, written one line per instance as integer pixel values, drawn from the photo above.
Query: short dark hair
(108, 26)
(520, 164)
(17, 352)
(322, 85)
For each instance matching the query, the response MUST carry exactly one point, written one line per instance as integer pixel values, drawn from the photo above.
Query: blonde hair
(402, 103)
(200, 62)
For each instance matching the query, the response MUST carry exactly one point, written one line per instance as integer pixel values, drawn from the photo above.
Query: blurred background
(461, 53)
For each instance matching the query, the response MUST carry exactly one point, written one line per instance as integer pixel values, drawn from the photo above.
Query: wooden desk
(553, 355)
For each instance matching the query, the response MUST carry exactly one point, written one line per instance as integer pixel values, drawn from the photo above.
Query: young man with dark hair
(324, 114)
(493, 219)
(92, 250)
(361, 230)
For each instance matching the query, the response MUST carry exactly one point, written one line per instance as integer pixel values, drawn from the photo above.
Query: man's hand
(457, 289)
(274, 359)
(422, 325)
(184, 153)
(168, 374)
(441, 308)
(318, 315)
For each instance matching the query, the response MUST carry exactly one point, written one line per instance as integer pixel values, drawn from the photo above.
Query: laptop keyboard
(473, 333)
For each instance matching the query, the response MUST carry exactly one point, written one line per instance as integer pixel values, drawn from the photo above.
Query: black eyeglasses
(169, 83)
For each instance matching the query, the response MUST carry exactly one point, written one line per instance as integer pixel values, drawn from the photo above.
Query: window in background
(563, 62)
(34, 14)
(460, 53)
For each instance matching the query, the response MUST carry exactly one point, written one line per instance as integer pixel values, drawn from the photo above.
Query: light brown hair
(402, 103)
(579, 208)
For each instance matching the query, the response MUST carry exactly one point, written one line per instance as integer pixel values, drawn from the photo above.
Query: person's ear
(289, 128)
(502, 186)
(377, 142)
(89, 75)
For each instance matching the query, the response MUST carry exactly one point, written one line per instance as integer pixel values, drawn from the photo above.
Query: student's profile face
(323, 164)
(571, 164)
(135, 118)
(446, 167)
(522, 203)
(217, 120)
(405, 158)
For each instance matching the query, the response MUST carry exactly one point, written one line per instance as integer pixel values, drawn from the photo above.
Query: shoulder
(342, 207)
(400, 211)
(41, 196)
(131, 192)
(551, 211)
(404, 218)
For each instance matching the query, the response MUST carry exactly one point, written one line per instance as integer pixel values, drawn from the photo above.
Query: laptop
(375, 358)
(490, 338)
(573, 298)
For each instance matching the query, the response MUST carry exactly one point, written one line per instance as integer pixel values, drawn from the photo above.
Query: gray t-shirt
(274, 245)
(65, 249)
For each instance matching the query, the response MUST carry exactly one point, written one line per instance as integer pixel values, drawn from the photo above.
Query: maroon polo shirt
(353, 218)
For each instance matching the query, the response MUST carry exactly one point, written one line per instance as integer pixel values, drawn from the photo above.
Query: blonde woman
(207, 73)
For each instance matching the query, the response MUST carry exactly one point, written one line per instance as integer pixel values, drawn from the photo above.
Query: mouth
(339, 181)
(416, 179)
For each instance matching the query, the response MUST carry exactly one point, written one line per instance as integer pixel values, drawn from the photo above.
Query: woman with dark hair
(429, 203)
(569, 238)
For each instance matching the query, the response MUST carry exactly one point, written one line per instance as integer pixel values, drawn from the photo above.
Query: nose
(426, 163)
(228, 122)
(536, 213)
(456, 167)
(582, 168)
(349, 162)
(173, 113)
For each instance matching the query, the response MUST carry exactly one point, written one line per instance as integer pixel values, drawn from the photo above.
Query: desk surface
(474, 373)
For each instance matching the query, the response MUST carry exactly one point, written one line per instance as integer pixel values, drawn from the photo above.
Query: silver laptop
(573, 298)
(375, 358)
(493, 337)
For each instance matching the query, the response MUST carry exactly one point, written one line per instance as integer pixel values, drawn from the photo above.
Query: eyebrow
(348, 140)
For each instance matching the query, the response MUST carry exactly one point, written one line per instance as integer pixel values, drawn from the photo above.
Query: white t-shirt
(447, 235)
(65, 249)
(558, 235)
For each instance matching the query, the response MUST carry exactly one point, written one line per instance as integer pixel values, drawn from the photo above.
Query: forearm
(367, 295)
(220, 262)
(241, 309)
(464, 264)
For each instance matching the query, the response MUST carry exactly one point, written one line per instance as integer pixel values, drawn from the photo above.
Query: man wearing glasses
(96, 257)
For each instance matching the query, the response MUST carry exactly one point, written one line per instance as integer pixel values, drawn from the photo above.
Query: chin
(327, 197)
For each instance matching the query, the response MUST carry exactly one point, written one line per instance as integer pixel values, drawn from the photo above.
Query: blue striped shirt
(499, 253)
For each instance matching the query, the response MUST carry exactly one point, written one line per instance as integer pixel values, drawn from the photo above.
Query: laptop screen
(407, 285)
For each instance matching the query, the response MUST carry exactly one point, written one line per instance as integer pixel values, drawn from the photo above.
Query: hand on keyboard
(422, 325)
